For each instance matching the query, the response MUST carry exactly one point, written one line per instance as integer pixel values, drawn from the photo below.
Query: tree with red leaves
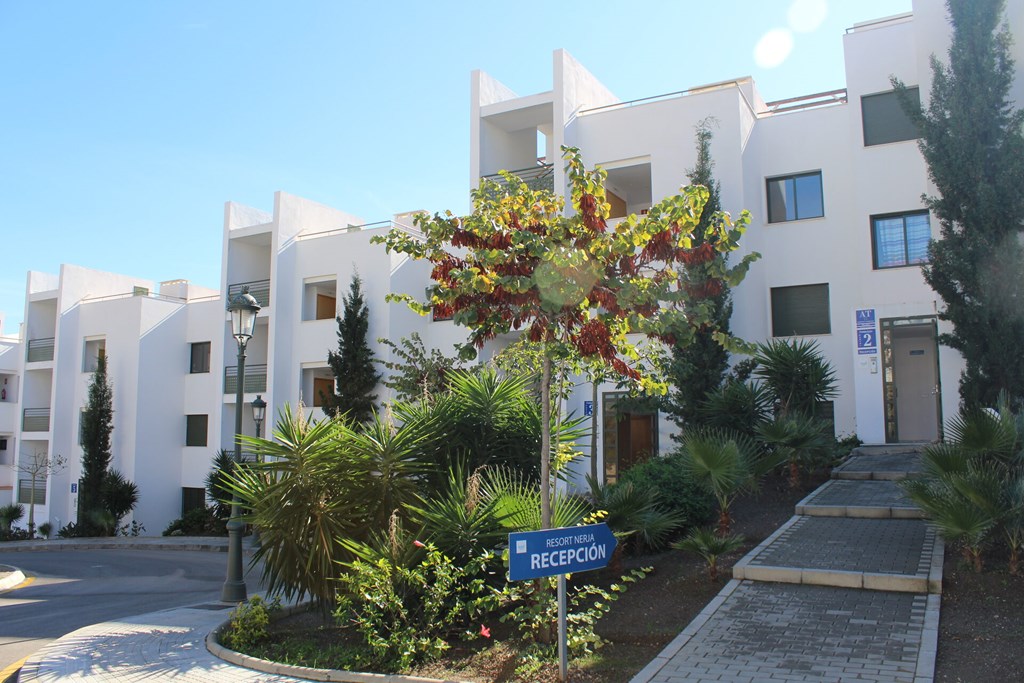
(582, 289)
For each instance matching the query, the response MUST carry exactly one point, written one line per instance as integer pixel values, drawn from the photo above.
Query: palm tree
(726, 464)
(709, 545)
(797, 374)
(800, 440)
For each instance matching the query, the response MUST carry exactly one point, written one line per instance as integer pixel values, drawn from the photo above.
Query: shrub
(738, 406)
(709, 545)
(248, 625)
(45, 529)
(634, 513)
(198, 522)
(406, 614)
(797, 374)
(679, 494)
(9, 514)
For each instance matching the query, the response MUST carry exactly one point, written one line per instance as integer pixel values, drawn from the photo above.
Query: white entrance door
(916, 370)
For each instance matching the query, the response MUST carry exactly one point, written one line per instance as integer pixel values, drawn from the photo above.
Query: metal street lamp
(259, 411)
(242, 309)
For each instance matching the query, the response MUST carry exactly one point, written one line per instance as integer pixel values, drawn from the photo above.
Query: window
(195, 430)
(323, 388)
(900, 239)
(192, 499)
(884, 119)
(81, 427)
(200, 357)
(94, 348)
(320, 299)
(795, 197)
(800, 310)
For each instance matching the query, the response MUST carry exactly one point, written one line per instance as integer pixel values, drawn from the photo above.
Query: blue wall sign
(533, 554)
(588, 408)
(865, 317)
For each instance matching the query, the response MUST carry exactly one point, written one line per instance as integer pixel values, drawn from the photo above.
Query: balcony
(40, 350)
(36, 420)
(255, 379)
(539, 177)
(259, 289)
(25, 492)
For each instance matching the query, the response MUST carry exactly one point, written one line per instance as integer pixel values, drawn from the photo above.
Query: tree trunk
(545, 443)
(32, 509)
(794, 474)
(593, 432)
(724, 522)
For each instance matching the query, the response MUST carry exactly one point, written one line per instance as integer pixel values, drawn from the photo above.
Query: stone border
(305, 672)
(67, 544)
(925, 671)
(12, 577)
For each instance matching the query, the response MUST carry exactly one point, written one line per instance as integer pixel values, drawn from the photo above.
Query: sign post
(557, 552)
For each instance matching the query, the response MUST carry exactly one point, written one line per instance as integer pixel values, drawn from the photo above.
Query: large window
(795, 197)
(884, 119)
(800, 310)
(195, 430)
(200, 359)
(900, 239)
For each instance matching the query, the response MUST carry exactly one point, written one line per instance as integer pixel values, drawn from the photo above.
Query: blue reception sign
(533, 554)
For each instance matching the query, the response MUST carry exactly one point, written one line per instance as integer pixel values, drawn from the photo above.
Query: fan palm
(726, 464)
(800, 440)
(709, 545)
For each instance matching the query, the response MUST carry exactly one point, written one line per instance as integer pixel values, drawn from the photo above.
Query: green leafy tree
(417, 372)
(697, 369)
(97, 425)
(973, 142)
(572, 284)
(353, 365)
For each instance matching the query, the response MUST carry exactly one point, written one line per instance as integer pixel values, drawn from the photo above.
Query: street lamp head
(259, 409)
(243, 309)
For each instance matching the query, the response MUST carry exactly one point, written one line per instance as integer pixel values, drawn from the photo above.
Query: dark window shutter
(195, 430)
(800, 310)
(884, 119)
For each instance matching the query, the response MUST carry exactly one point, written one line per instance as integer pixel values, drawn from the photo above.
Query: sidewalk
(847, 590)
(207, 543)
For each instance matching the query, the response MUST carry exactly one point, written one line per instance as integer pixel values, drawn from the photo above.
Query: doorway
(911, 388)
(629, 435)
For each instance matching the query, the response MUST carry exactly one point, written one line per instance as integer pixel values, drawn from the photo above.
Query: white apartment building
(833, 180)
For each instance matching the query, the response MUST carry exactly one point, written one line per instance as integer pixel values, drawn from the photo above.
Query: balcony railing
(255, 379)
(40, 350)
(259, 289)
(25, 496)
(539, 177)
(36, 420)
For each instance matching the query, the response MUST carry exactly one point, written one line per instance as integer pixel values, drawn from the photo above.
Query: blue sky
(127, 125)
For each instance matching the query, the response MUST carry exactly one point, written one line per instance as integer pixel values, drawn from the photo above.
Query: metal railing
(807, 101)
(255, 379)
(36, 420)
(25, 496)
(378, 225)
(539, 177)
(259, 289)
(40, 349)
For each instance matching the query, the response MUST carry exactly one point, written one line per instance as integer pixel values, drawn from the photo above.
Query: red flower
(485, 632)
(418, 544)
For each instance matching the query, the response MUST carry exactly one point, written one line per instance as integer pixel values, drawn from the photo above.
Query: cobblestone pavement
(879, 466)
(843, 493)
(762, 631)
(889, 546)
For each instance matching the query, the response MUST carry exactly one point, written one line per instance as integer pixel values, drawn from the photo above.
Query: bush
(9, 514)
(406, 614)
(634, 514)
(249, 622)
(198, 522)
(45, 529)
(680, 495)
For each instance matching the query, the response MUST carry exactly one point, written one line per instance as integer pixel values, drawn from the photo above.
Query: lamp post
(259, 411)
(242, 309)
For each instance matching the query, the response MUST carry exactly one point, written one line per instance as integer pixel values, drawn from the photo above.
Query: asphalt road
(72, 589)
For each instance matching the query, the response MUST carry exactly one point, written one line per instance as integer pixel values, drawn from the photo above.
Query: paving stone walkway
(847, 590)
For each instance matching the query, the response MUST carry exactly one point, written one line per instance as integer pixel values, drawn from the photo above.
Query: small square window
(900, 239)
(200, 357)
(195, 429)
(884, 119)
(320, 299)
(795, 197)
(192, 498)
(800, 310)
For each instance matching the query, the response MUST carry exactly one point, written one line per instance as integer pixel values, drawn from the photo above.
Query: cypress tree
(353, 365)
(972, 140)
(697, 369)
(97, 424)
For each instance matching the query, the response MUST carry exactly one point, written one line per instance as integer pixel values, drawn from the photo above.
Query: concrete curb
(13, 577)
(114, 544)
(308, 673)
